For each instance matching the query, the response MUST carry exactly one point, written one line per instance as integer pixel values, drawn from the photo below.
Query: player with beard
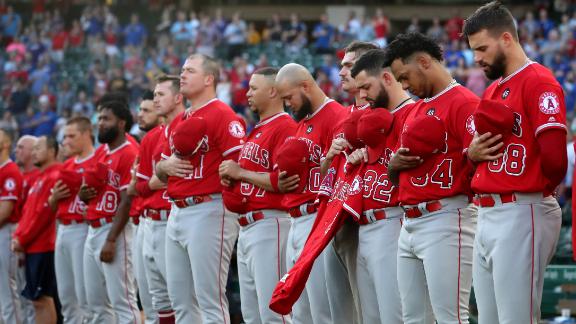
(435, 196)
(36, 233)
(148, 121)
(380, 214)
(72, 229)
(519, 220)
(10, 201)
(264, 222)
(318, 120)
(340, 260)
(168, 103)
(108, 271)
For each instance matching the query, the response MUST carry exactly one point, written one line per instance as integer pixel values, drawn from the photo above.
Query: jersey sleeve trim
(164, 156)
(124, 187)
(550, 125)
(9, 198)
(142, 176)
(351, 211)
(232, 150)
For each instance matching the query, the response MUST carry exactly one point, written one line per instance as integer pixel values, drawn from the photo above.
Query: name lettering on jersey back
(114, 179)
(314, 149)
(253, 152)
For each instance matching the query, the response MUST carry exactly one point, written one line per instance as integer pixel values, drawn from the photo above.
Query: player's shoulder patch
(549, 103)
(236, 129)
(470, 127)
(9, 184)
(355, 186)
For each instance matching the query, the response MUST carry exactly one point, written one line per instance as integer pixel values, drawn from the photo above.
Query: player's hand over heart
(229, 170)
(287, 183)
(60, 191)
(485, 147)
(176, 167)
(108, 251)
(338, 145)
(16, 246)
(402, 160)
(87, 193)
(358, 156)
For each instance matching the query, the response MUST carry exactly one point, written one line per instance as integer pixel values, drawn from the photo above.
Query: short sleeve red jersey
(450, 174)
(28, 179)
(150, 154)
(36, 230)
(537, 100)
(225, 135)
(317, 131)
(11, 188)
(119, 161)
(258, 155)
(73, 208)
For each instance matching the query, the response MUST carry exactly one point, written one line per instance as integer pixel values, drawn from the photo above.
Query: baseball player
(148, 120)
(264, 223)
(168, 103)
(72, 229)
(341, 258)
(36, 233)
(518, 218)
(379, 213)
(318, 117)
(197, 272)
(10, 200)
(108, 275)
(435, 243)
(23, 158)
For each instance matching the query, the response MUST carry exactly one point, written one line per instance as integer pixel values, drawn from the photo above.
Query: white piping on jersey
(5, 163)
(91, 155)
(366, 105)
(326, 101)
(108, 152)
(452, 84)
(402, 105)
(141, 176)
(528, 62)
(270, 119)
(542, 127)
(235, 148)
(189, 112)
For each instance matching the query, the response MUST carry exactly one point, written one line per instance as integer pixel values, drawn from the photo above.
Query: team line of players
(336, 218)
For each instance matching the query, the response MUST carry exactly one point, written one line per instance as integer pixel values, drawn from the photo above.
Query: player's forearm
(259, 179)
(324, 166)
(143, 189)
(121, 218)
(161, 172)
(6, 208)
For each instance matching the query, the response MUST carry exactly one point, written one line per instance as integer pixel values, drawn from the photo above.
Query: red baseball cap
(494, 117)
(97, 176)
(293, 157)
(234, 200)
(373, 127)
(72, 180)
(188, 136)
(424, 136)
(350, 128)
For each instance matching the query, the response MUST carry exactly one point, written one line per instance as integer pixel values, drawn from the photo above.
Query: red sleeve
(545, 107)
(145, 161)
(41, 217)
(554, 158)
(10, 185)
(125, 167)
(231, 136)
(284, 131)
(461, 123)
(574, 214)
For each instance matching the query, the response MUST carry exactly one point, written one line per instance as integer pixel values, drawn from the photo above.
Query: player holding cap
(434, 190)
(36, 233)
(10, 200)
(341, 259)
(108, 273)
(318, 117)
(156, 206)
(200, 234)
(264, 222)
(518, 218)
(72, 230)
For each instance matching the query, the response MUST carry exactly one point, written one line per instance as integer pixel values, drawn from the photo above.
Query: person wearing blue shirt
(135, 33)
(324, 34)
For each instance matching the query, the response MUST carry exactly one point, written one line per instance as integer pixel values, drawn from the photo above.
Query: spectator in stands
(35, 48)
(253, 35)
(92, 22)
(454, 26)
(324, 35)
(366, 33)
(381, 28)
(436, 31)
(64, 97)
(59, 43)
(43, 122)
(414, 26)
(135, 33)
(235, 36)
(9, 122)
(40, 77)
(11, 24)
(274, 29)
(293, 29)
(82, 106)
(550, 46)
(19, 99)
(546, 25)
(76, 35)
(181, 32)
(208, 37)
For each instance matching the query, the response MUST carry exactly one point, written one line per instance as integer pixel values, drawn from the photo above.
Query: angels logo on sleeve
(236, 129)
(9, 184)
(470, 126)
(549, 103)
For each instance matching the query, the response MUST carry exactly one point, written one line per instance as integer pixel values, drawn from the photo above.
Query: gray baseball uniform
(150, 316)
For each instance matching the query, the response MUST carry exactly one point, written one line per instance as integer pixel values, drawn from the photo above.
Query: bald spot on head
(27, 140)
(293, 74)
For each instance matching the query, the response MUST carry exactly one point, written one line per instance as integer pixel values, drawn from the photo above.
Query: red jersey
(11, 188)
(317, 130)
(450, 175)
(150, 154)
(36, 231)
(72, 208)
(225, 136)
(28, 179)
(258, 155)
(537, 100)
(120, 162)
